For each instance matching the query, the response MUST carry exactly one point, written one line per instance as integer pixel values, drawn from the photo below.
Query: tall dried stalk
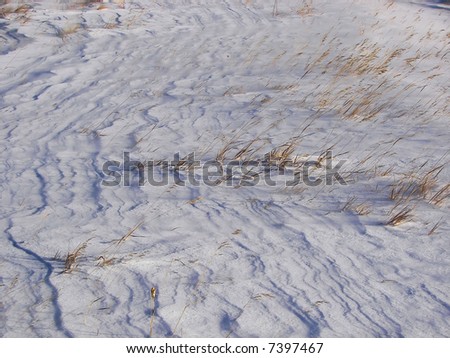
(153, 301)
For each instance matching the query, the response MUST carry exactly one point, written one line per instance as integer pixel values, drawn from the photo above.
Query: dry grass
(102, 7)
(19, 13)
(64, 33)
(306, 9)
(435, 227)
(195, 200)
(441, 195)
(361, 209)
(110, 25)
(245, 153)
(179, 320)
(282, 156)
(419, 186)
(371, 91)
(255, 160)
(130, 233)
(153, 294)
(10, 9)
(105, 261)
(70, 262)
(310, 66)
(401, 217)
(222, 154)
(349, 204)
(404, 190)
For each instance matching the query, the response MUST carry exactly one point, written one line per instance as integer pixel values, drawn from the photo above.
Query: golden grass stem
(153, 301)
(179, 320)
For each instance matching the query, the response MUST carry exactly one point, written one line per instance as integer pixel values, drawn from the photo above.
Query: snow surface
(80, 85)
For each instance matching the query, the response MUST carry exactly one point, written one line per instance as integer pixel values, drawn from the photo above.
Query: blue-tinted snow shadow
(311, 324)
(54, 295)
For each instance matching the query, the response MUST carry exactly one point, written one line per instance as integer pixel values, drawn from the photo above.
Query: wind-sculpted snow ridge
(344, 104)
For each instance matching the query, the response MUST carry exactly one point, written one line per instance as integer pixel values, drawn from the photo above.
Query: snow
(81, 85)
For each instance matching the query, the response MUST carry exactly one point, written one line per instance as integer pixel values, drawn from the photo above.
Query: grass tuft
(442, 194)
(71, 259)
(401, 217)
(8, 10)
(64, 33)
(105, 261)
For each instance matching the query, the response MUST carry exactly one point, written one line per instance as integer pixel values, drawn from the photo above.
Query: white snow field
(366, 82)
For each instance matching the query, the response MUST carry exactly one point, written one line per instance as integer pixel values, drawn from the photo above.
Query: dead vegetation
(306, 9)
(64, 32)
(20, 13)
(70, 262)
(130, 233)
(103, 262)
(420, 186)
(11, 9)
(440, 196)
(400, 217)
(352, 205)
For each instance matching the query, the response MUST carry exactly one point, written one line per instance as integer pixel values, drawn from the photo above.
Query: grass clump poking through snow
(10, 9)
(400, 217)
(64, 32)
(70, 262)
(441, 195)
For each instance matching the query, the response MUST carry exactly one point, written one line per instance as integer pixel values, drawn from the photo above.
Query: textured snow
(80, 85)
